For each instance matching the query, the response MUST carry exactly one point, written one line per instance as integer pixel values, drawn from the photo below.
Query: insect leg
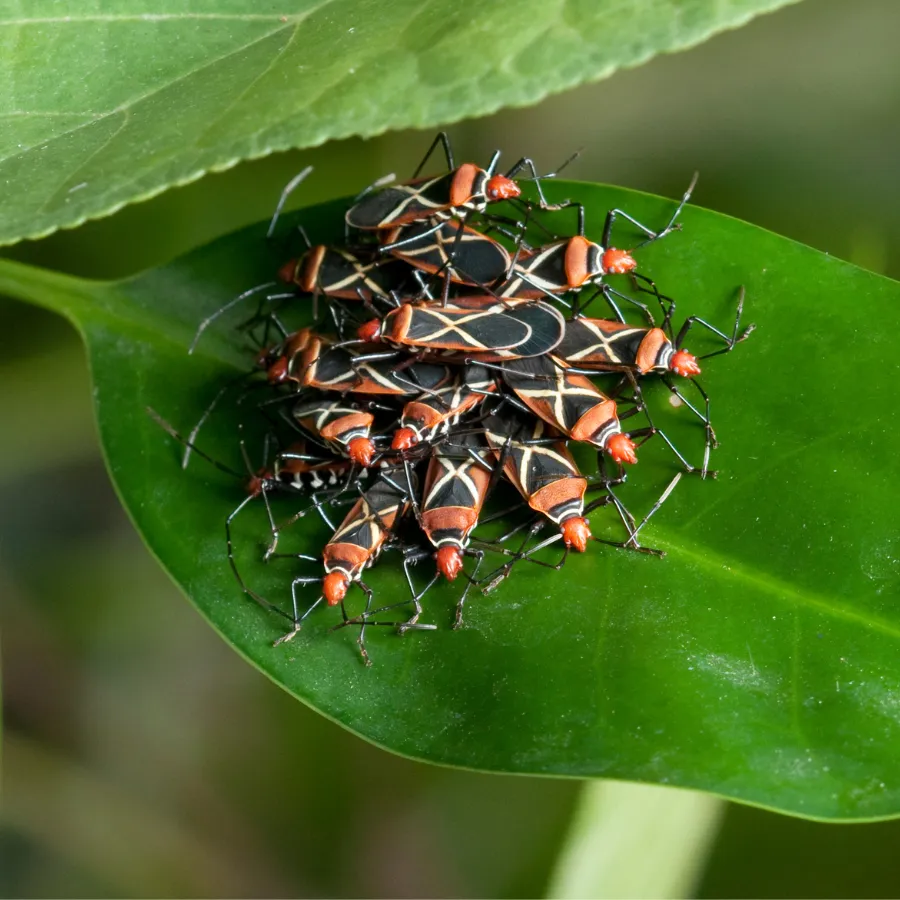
(444, 140)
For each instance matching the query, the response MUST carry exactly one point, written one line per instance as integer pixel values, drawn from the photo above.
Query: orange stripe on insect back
(396, 324)
(299, 341)
(462, 184)
(594, 421)
(482, 302)
(552, 495)
(652, 346)
(576, 261)
(481, 478)
(304, 370)
(343, 563)
(281, 367)
(422, 413)
(449, 518)
(389, 235)
(352, 421)
(349, 556)
(307, 273)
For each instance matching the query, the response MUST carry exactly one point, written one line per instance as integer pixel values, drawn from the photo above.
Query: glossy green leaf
(106, 103)
(758, 660)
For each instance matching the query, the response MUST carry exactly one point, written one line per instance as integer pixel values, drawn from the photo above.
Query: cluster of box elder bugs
(455, 352)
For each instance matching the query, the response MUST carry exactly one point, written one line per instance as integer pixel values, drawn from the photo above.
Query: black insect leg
(298, 619)
(410, 559)
(493, 579)
(402, 242)
(229, 547)
(470, 581)
(444, 140)
(609, 292)
(631, 543)
(652, 235)
(526, 163)
(730, 341)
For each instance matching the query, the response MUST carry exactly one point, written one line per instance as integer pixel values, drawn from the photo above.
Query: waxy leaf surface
(757, 660)
(106, 102)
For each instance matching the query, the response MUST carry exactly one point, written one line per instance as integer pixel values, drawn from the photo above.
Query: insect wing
(463, 330)
(344, 276)
(600, 343)
(455, 488)
(401, 204)
(546, 324)
(471, 257)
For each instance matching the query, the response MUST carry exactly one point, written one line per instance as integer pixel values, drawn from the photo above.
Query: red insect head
(499, 187)
(278, 370)
(621, 448)
(256, 484)
(618, 262)
(449, 562)
(334, 587)
(361, 450)
(684, 364)
(404, 438)
(288, 270)
(576, 533)
(370, 331)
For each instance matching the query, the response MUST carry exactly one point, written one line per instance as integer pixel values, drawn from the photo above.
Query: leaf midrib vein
(784, 590)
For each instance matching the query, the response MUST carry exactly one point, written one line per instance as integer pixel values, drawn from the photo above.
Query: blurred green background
(142, 757)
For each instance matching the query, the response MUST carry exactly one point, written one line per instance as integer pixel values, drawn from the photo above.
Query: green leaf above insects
(758, 660)
(105, 106)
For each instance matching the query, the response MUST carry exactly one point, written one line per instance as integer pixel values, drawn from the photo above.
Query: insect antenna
(288, 190)
(223, 309)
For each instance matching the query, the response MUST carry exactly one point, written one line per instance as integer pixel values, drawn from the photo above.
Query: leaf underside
(130, 98)
(758, 660)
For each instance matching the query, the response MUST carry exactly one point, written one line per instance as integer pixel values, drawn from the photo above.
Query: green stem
(55, 291)
(636, 840)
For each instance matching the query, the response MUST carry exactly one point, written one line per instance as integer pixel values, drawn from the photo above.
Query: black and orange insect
(577, 262)
(312, 361)
(571, 403)
(462, 254)
(355, 546)
(542, 469)
(342, 426)
(456, 485)
(434, 412)
(606, 345)
(457, 193)
(481, 328)
(294, 470)
(336, 272)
